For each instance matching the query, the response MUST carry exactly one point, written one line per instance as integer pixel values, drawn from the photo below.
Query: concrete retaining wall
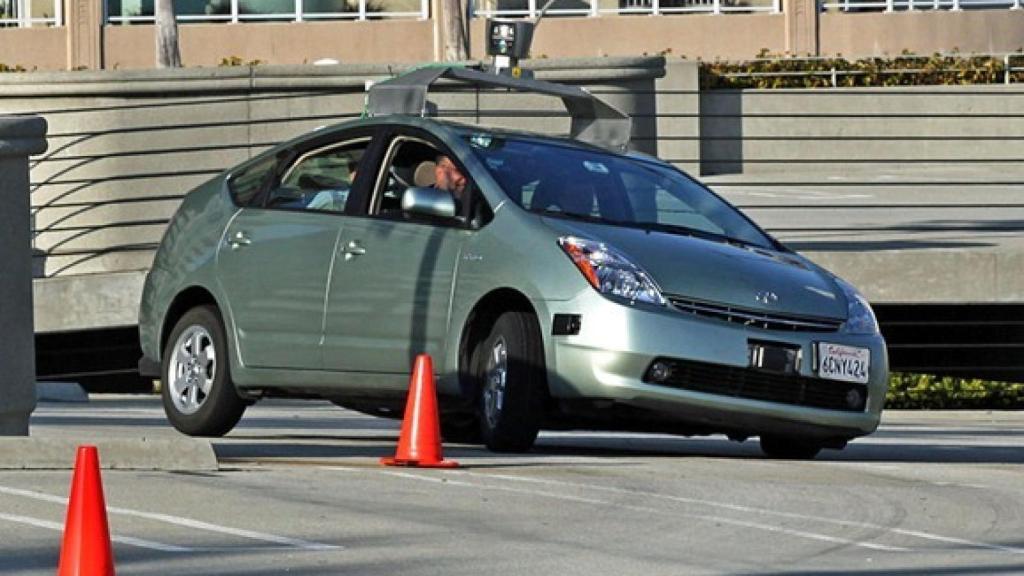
(752, 131)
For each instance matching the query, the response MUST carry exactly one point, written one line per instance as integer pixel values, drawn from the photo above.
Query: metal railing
(594, 8)
(234, 13)
(911, 5)
(1012, 65)
(30, 13)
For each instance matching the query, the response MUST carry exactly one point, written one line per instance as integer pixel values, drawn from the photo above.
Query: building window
(29, 13)
(141, 11)
(910, 5)
(530, 8)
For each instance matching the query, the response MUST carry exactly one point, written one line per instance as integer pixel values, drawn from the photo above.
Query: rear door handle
(353, 249)
(238, 240)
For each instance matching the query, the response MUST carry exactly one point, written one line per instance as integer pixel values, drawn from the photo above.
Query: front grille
(755, 318)
(758, 385)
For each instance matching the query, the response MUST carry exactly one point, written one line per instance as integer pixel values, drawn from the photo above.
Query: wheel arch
(477, 326)
(184, 301)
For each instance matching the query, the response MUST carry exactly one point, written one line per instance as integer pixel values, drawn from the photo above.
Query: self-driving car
(561, 283)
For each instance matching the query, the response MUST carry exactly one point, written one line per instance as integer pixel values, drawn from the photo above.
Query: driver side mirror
(431, 202)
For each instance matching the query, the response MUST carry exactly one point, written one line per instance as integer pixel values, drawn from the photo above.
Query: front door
(391, 289)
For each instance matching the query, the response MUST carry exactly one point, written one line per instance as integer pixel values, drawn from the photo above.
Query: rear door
(275, 259)
(391, 289)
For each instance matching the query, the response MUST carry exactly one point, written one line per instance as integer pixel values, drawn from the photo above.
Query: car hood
(719, 272)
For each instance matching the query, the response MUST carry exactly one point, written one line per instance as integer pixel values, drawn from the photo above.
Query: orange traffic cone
(419, 444)
(86, 550)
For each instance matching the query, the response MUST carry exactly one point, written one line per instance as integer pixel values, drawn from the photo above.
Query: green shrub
(776, 71)
(925, 391)
(7, 68)
(228, 61)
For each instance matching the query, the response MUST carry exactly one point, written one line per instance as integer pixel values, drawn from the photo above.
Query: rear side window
(321, 179)
(245, 185)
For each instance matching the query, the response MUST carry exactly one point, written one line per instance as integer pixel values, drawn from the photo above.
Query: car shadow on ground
(356, 450)
(942, 451)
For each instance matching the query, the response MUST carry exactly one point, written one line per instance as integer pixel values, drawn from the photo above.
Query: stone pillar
(801, 27)
(85, 34)
(20, 136)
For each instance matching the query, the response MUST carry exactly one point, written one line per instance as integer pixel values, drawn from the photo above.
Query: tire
(787, 448)
(510, 369)
(203, 402)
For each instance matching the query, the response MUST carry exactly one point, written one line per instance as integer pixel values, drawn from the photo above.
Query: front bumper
(606, 361)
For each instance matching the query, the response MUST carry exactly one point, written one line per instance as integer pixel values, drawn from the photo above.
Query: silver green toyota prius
(556, 283)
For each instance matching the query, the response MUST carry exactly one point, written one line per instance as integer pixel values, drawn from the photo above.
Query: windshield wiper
(694, 232)
(580, 217)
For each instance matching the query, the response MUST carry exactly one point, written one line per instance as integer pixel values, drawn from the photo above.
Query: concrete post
(20, 137)
(85, 34)
(802, 27)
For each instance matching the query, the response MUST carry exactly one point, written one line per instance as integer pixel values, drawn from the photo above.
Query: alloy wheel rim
(496, 380)
(192, 370)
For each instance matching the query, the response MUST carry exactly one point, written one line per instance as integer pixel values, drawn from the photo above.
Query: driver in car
(447, 176)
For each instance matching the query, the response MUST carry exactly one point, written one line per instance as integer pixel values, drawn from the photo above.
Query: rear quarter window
(246, 184)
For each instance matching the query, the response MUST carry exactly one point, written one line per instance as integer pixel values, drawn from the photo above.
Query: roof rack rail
(593, 120)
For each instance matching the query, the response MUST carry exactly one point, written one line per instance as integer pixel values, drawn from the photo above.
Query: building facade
(119, 34)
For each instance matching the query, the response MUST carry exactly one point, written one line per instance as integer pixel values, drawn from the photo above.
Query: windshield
(577, 183)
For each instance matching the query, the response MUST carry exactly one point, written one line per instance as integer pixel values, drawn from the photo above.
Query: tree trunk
(455, 48)
(167, 52)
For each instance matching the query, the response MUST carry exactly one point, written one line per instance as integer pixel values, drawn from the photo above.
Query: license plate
(846, 363)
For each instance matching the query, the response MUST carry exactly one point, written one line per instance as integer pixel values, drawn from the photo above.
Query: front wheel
(510, 367)
(198, 395)
(789, 448)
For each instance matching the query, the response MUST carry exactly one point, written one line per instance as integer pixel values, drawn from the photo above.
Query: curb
(60, 392)
(177, 454)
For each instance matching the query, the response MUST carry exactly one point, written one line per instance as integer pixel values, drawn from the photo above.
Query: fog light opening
(854, 399)
(660, 372)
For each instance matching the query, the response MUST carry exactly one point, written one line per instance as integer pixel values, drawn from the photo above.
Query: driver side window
(411, 163)
(414, 163)
(320, 180)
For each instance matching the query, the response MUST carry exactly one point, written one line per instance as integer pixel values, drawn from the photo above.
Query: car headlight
(610, 272)
(860, 317)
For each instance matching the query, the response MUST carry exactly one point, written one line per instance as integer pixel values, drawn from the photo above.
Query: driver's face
(448, 177)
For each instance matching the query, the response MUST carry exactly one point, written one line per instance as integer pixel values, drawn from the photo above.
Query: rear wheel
(789, 448)
(510, 367)
(198, 395)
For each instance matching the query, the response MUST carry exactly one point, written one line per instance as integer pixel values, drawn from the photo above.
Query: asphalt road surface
(299, 491)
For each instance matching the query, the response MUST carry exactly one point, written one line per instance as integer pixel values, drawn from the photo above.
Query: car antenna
(508, 42)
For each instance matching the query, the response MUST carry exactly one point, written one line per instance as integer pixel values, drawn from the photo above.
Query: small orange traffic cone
(86, 550)
(419, 444)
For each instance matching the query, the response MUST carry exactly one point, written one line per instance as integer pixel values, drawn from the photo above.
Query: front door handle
(353, 249)
(238, 240)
